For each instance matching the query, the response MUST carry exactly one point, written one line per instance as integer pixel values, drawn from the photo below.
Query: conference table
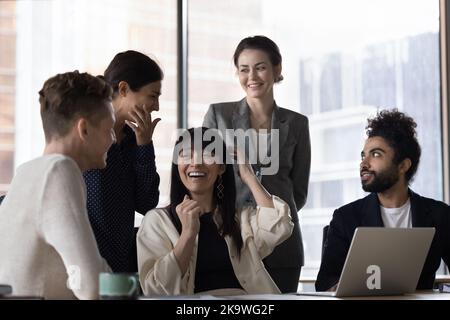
(419, 295)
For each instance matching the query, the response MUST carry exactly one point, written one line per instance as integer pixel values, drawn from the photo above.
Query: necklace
(262, 125)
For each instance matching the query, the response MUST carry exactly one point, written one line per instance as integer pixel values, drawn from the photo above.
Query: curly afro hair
(399, 131)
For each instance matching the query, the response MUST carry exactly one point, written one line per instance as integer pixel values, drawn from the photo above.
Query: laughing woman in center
(200, 243)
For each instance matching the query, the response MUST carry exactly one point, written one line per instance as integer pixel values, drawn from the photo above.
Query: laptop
(382, 261)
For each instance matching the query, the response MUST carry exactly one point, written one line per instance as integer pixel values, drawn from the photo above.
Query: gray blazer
(290, 183)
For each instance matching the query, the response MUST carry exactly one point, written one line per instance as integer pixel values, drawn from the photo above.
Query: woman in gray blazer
(285, 170)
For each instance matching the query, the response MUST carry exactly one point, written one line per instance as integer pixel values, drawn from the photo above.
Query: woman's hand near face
(143, 125)
(262, 197)
(189, 212)
(245, 169)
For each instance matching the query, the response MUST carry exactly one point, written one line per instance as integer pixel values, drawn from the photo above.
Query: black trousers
(285, 278)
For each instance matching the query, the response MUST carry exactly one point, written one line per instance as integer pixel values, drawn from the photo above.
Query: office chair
(324, 238)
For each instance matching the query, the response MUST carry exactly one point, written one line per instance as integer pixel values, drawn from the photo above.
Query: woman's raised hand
(188, 212)
(245, 169)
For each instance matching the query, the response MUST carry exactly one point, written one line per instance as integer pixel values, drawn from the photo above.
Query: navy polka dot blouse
(129, 183)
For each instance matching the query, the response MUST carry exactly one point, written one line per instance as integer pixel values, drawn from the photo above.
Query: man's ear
(123, 88)
(222, 169)
(82, 129)
(404, 165)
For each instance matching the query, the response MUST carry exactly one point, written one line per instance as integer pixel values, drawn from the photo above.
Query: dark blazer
(366, 213)
(290, 183)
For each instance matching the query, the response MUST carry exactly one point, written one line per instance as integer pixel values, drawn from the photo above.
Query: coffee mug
(118, 285)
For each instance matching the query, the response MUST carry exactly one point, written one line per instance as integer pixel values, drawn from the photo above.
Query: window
(342, 61)
(41, 38)
(7, 97)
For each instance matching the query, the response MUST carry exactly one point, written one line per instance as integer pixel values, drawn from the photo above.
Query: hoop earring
(220, 189)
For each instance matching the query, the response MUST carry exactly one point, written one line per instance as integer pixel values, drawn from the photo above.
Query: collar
(241, 120)
(419, 211)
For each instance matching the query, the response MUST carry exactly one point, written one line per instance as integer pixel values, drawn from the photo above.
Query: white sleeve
(159, 272)
(66, 227)
(268, 227)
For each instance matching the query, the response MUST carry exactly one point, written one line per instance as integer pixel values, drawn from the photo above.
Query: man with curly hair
(389, 162)
(47, 247)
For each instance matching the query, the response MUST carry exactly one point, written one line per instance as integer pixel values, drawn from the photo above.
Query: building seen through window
(342, 61)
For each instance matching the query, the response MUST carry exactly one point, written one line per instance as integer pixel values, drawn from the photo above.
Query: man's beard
(382, 180)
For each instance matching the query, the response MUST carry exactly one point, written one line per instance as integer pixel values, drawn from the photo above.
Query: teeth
(196, 174)
(253, 85)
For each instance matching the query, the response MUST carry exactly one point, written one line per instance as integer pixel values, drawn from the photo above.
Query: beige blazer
(290, 183)
(261, 229)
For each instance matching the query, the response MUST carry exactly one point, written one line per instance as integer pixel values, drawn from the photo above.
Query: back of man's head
(69, 96)
(398, 129)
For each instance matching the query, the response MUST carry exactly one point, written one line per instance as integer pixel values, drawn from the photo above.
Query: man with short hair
(47, 246)
(389, 160)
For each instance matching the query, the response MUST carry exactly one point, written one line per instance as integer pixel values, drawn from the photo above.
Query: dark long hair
(226, 206)
(133, 67)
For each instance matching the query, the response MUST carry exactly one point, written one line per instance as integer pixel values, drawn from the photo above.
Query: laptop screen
(384, 261)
